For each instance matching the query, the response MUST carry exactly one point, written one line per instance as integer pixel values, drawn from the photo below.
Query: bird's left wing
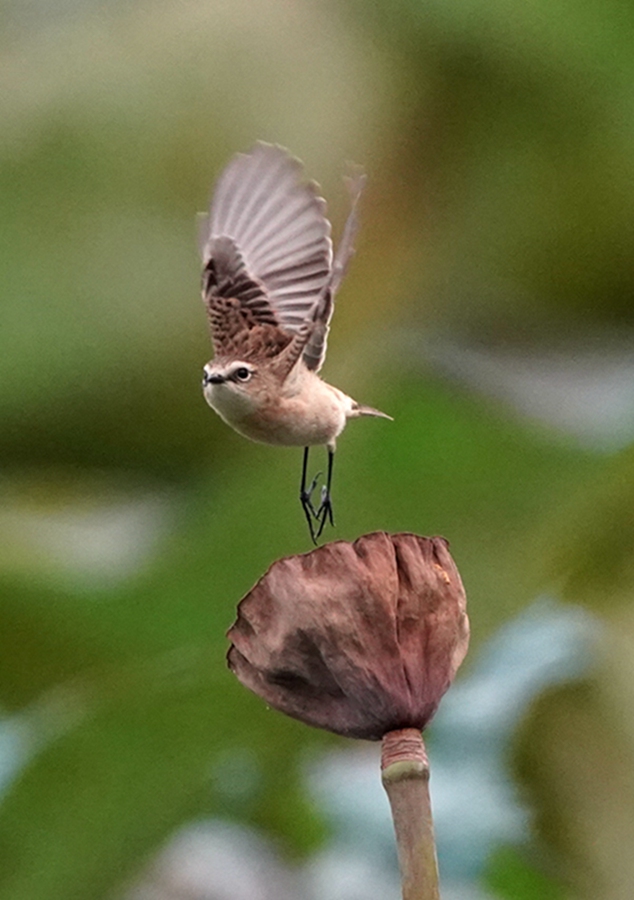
(266, 241)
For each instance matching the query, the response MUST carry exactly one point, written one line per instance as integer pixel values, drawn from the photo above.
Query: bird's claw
(306, 496)
(316, 518)
(324, 513)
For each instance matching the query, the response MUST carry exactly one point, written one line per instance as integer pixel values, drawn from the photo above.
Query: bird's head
(233, 383)
(236, 373)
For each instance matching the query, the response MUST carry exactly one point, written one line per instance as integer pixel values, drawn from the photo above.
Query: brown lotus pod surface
(360, 638)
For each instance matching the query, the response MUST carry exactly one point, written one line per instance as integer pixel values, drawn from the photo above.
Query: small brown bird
(269, 281)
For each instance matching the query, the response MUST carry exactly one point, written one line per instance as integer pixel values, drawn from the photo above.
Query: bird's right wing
(315, 349)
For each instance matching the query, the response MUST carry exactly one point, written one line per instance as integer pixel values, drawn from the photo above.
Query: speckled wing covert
(266, 244)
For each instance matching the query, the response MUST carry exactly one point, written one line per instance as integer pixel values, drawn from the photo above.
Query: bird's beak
(212, 379)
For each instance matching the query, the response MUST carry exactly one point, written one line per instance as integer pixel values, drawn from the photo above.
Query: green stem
(405, 776)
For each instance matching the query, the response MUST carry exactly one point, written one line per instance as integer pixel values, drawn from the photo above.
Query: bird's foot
(312, 515)
(306, 496)
(316, 518)
(324, 513)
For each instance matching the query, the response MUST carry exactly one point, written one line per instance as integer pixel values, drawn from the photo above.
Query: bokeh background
(488, 309)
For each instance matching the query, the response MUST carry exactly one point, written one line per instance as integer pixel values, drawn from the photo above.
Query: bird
(269, 281)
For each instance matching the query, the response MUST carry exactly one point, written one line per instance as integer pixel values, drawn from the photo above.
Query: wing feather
(266, 243)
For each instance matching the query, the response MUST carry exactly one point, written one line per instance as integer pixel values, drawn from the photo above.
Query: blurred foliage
(591, 540)
(513, 876)
(518, 125)
(577, 758)
(498, 141)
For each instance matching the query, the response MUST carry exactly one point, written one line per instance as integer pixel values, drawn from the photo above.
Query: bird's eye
(242, 374)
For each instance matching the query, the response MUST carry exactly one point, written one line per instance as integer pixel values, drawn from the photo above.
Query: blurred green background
(488, 310)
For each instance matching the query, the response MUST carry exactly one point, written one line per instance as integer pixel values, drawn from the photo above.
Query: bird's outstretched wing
(266, 244)
(315, 349)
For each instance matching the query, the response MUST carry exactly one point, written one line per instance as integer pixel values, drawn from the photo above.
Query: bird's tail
(359, 410)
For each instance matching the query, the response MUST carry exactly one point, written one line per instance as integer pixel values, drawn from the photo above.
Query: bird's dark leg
(324, 512)
(305, 496)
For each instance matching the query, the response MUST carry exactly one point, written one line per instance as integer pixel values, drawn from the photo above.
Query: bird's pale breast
(309, 413)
